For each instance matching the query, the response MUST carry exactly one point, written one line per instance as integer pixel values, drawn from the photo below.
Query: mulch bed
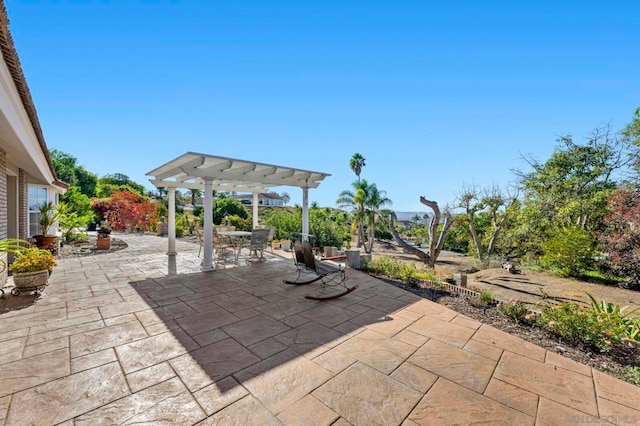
(612, 363)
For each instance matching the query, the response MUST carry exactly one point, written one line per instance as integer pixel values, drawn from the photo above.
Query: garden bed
(88, 248)
(616, 362)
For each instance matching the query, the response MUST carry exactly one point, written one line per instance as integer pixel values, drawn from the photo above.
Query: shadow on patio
(128, 337)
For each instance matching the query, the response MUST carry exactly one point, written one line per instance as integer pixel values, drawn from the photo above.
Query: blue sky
(433, 94)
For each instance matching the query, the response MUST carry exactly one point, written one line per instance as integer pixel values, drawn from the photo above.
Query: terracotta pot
(31, 279)
(103, 242)
(46, 241)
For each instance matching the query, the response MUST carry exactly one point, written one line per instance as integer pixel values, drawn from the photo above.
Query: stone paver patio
(137, 337)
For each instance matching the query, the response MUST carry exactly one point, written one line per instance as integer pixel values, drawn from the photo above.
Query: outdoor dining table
(238, 239)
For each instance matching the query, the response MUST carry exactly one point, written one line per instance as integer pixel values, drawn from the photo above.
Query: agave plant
(630, 324)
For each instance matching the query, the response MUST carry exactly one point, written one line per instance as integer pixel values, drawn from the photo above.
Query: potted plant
(104, 237)
(32, 267)
(49, 215)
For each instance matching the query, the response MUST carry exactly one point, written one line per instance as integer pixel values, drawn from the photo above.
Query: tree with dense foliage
(620, 239)
(571, 187)
(118, 182)
(356, 163)
(437, 234)
(64, 165)
(70, 172)
(86, 181)
(223, 204)
(631, 134)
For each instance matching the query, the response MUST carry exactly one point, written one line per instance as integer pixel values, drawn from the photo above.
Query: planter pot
(275, 244)
(103, 242)
(162, 228)
(47, 242)
(31, 279)
(285, 245)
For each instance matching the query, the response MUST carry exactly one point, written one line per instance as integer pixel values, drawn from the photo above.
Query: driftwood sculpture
(435, 241)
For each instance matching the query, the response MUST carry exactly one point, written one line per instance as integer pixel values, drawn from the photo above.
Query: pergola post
(305, 214)
(171, 195)
(254, 203)
(207, 250)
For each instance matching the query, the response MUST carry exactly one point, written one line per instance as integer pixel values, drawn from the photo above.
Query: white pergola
(209, 172)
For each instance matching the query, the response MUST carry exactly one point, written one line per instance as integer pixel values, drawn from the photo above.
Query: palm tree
(356, 201)
(357, 163)
(195, 193)
(375, 200)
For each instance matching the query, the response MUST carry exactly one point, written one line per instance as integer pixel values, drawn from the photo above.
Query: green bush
(514, 309)
(570, 251)
(71, 223)
(482, 300)
(632, 374)
(393, 268)
(594, 326)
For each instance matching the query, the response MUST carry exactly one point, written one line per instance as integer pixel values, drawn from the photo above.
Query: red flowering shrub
(621, 238)
(126, 211)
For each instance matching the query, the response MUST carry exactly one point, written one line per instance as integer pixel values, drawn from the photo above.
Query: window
(37, 196)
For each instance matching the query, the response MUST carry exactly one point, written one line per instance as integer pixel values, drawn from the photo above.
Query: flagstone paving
(135, 336)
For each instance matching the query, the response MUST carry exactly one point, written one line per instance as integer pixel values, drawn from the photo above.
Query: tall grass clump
(393, 268)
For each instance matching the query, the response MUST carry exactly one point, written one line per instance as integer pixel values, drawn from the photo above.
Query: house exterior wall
(23, 205)
(3, 210)
(263, 200)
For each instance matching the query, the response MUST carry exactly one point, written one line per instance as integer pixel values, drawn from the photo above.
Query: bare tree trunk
(474, 233)
(368, 247)
(435, 243)
(422, 255)
(496, 234)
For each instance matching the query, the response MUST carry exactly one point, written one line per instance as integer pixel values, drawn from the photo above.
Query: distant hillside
(408, 216)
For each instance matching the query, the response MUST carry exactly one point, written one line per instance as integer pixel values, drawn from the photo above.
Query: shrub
(570, 251)
(594, 326)
(621, 235)
(632, 374)
(126, 211)
(482, 300)
(514, 309)
(393, 268)
(70, 222)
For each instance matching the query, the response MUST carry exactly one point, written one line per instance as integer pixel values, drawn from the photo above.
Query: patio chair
(222, 244)
(272, 231)
(331, 276)
(259, 240)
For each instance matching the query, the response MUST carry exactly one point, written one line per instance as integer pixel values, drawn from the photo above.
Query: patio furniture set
(228, 241)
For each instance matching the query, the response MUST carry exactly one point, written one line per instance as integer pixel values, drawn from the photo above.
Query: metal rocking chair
(330, 276)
